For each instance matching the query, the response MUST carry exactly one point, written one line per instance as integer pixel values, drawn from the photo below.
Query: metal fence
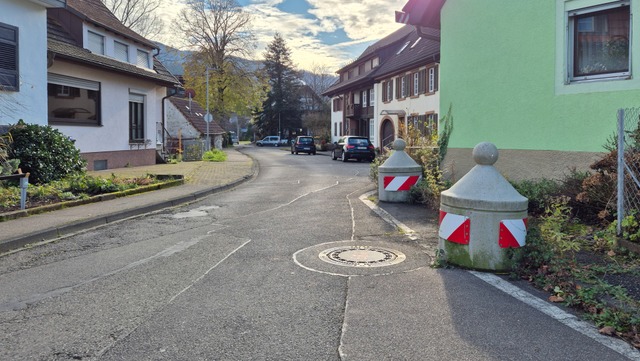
(192, 150)
(628, 163)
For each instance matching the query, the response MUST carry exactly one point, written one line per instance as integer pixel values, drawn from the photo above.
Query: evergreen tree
(281, 110)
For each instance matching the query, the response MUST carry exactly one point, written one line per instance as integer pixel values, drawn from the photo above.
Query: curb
(75, 227)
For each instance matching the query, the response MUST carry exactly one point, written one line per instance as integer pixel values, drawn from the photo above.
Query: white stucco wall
(176, 123)
(113, 134)
(30, 102)
(420, 105)
(336, 118)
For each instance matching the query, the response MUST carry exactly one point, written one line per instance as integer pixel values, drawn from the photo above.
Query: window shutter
(9, 57)
(398, 84)
(121, 51)
(435, 77)
(72, 82)
(384, 91)
(422, 79)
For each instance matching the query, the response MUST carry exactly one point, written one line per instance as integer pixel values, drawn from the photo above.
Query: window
(95, 43)
(73, 101)
(337, 104)
(599, 42)
(389, 96)
(403, 47)
(403, 87)
(416, 84)
(121, 51)
(372, 96)
(427, 125)
(364, 98)
(9, 79)
(136, 118)
(143, 59)
(335, 129)
(372, 129)
(433, 80)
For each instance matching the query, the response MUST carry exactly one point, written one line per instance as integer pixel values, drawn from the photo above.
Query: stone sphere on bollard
(399, 144)
(485, 153)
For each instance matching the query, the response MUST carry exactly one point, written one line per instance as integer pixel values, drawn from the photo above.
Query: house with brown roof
(184, 120)
(23, 60)
(393, 82)
(105, 87)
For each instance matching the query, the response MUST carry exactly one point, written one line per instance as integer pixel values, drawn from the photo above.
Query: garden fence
(628, 167)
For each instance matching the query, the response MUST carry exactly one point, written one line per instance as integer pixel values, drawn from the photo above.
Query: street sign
(208, 117)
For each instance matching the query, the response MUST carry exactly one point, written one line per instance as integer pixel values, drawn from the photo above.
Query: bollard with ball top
(397, 175)
(482, 216)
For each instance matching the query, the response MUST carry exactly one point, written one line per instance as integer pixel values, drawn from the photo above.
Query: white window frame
(389, 90)
(570, 17)
(372, 96)
(403, 87)
(363, 101)
(416, 84)
(432, 79)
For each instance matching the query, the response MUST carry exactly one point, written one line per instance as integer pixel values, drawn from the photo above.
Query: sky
(321, 34)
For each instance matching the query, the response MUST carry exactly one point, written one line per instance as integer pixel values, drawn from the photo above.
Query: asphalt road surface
(289, 266)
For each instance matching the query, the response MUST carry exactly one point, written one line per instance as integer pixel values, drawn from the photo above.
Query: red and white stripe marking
(513, 233)
(454, 227)
(400, 183)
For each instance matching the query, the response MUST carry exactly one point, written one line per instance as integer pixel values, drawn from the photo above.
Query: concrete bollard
(397, 174)
(482, 216)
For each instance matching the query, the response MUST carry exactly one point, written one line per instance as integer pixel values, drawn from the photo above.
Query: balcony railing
(353, 110)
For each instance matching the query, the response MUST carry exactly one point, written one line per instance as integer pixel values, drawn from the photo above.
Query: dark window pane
(602, 42)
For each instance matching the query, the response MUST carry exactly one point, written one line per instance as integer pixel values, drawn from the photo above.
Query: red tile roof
(194, 113)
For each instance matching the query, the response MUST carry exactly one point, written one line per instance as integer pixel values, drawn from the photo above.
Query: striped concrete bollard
(482, 216)
(397, 175)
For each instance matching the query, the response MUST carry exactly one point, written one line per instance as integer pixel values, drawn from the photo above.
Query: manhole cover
(362, 256)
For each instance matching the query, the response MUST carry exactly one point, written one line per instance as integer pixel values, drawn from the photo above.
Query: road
(255, 274)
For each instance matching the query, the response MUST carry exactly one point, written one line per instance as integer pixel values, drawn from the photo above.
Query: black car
(352, 147)
(303, 144)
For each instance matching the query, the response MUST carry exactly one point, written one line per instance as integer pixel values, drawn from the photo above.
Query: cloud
(363, 21)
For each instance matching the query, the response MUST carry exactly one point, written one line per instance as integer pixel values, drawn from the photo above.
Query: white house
(23, 60)
(105, 87)
(393, 82)
(184, 120)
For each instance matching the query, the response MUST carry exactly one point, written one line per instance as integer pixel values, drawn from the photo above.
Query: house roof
(421, 13)
(418, 51)
(96, 12)
(373, 50)
(426, 49)
(62, 45)
(194, 113)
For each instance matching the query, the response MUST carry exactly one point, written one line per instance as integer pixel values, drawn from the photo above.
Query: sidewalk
(201, 179)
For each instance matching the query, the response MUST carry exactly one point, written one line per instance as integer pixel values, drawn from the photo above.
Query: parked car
(353, 147)
(234, 139)
(272, 140)
(303, 144)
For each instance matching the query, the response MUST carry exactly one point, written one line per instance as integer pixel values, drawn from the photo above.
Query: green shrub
(214, 155)
(538, 192)
(44, 152)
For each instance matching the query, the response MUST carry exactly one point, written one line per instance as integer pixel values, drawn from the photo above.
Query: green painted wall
(503, 70)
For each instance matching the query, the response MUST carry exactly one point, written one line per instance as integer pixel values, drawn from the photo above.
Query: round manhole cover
(362, 256)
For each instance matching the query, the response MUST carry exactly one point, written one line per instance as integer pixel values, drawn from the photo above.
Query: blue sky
(320, 33)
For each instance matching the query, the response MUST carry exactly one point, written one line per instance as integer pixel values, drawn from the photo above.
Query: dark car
(352, 147)
(303, 144)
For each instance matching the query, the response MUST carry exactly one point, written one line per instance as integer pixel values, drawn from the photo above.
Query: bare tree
(219, 31)
(140, 16)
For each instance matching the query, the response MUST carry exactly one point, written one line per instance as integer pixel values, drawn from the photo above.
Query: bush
(214, 155)
(539, 192)
(44, 152)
